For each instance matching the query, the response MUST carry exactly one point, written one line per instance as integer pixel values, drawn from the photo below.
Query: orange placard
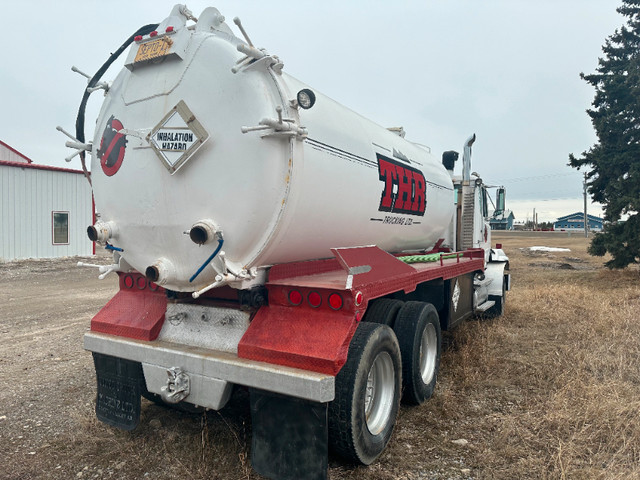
(155, 49)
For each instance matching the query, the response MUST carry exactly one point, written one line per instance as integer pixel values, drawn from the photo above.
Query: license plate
(155, 49)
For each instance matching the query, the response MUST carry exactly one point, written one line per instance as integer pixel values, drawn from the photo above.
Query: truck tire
(498, 309)
(418, 331)
(383, 310)
(363, 414)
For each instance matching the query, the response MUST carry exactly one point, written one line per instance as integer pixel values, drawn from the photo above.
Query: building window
(60, 228)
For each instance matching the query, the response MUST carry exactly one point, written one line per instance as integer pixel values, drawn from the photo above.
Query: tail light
(295, 297)
(314, 299)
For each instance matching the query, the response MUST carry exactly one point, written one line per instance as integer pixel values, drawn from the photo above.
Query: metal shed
(44, 211)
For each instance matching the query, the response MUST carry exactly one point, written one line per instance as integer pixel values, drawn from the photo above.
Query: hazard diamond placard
(177, 137)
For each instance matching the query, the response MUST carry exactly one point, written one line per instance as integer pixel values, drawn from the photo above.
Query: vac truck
(267, 237)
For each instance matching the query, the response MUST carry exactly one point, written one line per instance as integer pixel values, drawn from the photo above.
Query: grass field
(551, 389)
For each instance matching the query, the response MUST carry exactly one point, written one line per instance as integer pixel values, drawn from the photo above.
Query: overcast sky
(507, 70)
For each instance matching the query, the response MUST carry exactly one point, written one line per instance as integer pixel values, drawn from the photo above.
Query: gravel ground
(46, 376)
(48, 428)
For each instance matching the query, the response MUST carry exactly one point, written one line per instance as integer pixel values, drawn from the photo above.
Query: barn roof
(579, 216)
(36, 166)
(22, 155)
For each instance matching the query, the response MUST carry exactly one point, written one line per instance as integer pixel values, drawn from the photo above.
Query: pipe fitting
(101, 232)
(204, 232)
(161, 272)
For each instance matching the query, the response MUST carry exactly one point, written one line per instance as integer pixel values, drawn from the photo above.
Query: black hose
(95, 79)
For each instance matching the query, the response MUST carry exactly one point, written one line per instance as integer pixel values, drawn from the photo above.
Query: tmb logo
(404, 188)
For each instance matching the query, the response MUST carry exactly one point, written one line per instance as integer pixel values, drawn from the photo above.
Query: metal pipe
(466, 160)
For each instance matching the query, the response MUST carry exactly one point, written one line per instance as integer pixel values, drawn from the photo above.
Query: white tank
(177, 150)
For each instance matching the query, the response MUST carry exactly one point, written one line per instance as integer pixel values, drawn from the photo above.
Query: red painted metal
(302, 269)
(317, 339)
(137, 310)
(310, 339)
(375, 264)
(386, 274)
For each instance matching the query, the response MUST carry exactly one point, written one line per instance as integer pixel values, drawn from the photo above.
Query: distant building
(575, 221)
(502, 220)
(44, 211)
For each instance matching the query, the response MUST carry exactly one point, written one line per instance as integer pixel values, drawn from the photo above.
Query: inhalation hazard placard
(177, 137)
(177, 140)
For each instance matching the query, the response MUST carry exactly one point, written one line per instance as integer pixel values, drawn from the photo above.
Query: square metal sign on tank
(177, 137)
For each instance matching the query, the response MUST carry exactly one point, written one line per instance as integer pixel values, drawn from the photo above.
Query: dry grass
(549, 391)
(555, 382)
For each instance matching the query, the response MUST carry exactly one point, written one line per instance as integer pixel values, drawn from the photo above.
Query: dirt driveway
(46, 376)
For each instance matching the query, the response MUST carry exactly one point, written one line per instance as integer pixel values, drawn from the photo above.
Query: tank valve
(102, 231)
(161, 272)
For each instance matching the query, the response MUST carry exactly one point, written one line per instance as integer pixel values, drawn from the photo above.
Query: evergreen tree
(614, 178)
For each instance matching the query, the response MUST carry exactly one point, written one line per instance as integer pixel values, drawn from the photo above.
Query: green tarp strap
(432, 257)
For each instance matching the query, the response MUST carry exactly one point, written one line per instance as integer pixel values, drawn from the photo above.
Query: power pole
(584, 194)
(534, 220)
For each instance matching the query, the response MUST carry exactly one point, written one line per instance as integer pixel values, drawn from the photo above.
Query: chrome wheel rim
(428, 353)
(380, 393)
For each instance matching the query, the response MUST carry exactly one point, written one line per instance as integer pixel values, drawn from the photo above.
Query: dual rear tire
(364, 411)
(418, 330)
(395, 348)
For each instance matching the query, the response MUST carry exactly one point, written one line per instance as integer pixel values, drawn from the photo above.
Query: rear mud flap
(289, 437)
(119, 388)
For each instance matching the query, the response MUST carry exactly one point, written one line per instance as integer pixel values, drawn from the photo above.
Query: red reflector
(498, 245)
(335, 301)
(314, 299)
(153, 34)
(295, 297)
(141, 283)
(128, 281)
(169, 29)
(359, 298)
(137, 38)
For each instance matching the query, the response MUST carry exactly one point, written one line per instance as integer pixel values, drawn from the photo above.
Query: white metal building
(10, 154)
(44, 211)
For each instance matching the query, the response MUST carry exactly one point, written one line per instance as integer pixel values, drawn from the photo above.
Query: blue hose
(108, 246)
(208, 261)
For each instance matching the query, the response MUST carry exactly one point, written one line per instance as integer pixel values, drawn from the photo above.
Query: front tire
(418, 330)
(363, 414)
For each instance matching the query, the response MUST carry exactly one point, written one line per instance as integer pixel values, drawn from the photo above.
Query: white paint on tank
(277, 197)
